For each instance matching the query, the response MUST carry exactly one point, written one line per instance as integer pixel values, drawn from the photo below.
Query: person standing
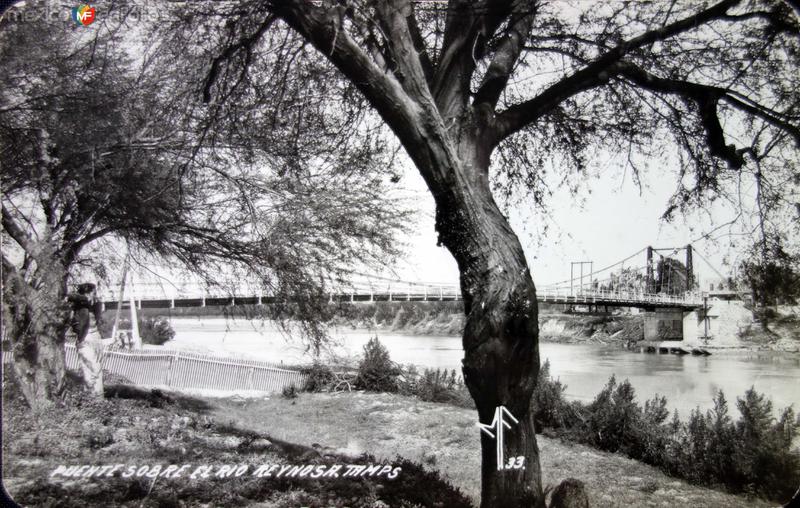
(86, 321)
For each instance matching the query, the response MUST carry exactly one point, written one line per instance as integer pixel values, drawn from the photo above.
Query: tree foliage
(105, 147)
(772, 275)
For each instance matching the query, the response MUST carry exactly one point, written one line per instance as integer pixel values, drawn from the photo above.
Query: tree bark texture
(35, 320)
(501, 353)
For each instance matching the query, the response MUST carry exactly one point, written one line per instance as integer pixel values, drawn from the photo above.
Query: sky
(616, 219)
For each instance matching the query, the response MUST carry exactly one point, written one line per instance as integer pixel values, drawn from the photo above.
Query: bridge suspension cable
(566, 281)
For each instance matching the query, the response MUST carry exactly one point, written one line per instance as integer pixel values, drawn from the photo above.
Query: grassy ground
(139, 428)
(445, 438)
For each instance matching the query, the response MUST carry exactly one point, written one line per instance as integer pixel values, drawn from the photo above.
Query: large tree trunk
(36, 325)
(501, 362)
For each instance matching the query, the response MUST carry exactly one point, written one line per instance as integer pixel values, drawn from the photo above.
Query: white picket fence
(180, 369)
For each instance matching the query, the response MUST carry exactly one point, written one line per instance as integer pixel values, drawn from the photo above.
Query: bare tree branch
(505, 58)
(597, 73)
(707, 98)
(15, 232)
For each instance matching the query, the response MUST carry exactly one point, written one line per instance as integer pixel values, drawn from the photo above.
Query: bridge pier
(692, 322)
(718, 322)
(663, 324)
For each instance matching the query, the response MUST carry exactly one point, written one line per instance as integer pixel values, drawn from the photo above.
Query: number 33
(515, 463)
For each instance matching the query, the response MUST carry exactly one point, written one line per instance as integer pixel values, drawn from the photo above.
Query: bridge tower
(649, 281)
(689, 269)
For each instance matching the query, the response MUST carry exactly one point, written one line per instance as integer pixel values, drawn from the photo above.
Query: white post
(136, 339)
(121, 297)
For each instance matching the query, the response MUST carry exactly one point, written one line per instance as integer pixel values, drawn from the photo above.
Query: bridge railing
(411, 292)
(592, 295)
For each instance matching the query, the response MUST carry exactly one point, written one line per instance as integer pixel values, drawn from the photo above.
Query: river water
(687, 381)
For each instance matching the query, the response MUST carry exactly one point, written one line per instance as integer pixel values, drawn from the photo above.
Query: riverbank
(145, 428)
(446, 318)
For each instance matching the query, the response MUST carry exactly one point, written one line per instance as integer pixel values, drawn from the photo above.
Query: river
(687, 381)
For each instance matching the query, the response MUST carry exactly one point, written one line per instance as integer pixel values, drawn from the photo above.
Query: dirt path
(445, 438)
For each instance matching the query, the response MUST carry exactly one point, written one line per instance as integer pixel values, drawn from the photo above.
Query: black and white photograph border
(400, 253)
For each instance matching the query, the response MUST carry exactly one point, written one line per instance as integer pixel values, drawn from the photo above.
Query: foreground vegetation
(136, 427)
(144, 428)
(751, 455)
(444, 438)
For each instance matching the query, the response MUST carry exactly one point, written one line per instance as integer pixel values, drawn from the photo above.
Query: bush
(549, 407)
(320, 377)
(155, 331)
(289, 392)
(437, 385)
(377, 372)
(752, 455)
(615, 421)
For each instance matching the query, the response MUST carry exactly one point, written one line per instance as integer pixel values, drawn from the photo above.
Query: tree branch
(419, 46)
(410, 71)
(16, 232)
(707, 98)
(504, 60)
(468, 26)
(245, 43)
(381, 89)
(8, 268)
(597, 73)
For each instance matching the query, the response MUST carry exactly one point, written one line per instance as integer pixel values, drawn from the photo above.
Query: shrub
(320, 377)
(377, 372)
(550, 408)
(438, 385)
(155, 331)
(289, 392)
(752, 455)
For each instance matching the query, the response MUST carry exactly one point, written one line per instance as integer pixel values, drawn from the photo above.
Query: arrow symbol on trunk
(498, 422)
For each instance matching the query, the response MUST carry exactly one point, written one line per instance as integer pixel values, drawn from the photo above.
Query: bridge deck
(604, 298)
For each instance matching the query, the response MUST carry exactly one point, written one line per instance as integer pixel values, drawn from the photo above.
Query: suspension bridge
(648, 279)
